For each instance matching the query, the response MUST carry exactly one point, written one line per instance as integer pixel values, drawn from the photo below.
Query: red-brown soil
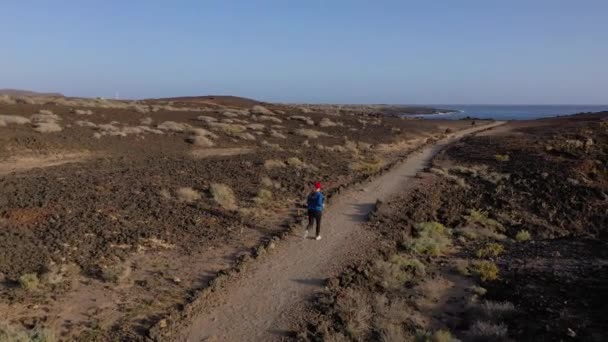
(108, 236)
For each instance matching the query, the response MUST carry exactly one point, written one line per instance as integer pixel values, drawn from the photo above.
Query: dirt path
(256, 307)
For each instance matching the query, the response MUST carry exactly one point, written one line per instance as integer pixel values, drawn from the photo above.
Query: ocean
(512, 112)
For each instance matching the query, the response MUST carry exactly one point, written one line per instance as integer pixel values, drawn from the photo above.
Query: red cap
(318, 185)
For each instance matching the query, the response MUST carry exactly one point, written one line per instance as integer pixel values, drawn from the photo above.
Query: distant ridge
(18, 92)
(222, 100)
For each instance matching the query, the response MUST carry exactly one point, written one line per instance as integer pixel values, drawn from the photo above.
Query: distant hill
(18, 92)
(222, 100)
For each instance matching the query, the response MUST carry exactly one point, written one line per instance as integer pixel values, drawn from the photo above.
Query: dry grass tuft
(263, 198)
(437, 336)
(187, 194)
(356, 312)
(274, 163)
(304, 119)
(396, 271)
(200, 140)
(47, 127)
(173, 126)
(83, 112)
(487, 331)
(502, 157)
(310, 133)
(269, 118)
(368, 167)
(223, 195)
(146, 121)
(523, 235)
(491, 250)
(13, 119)
(481, 218)
(11, 333)
(29, 281)
(261, 110)
(295, 162)
(206, 119)
(326, 122)
(277, 135)
(431, 239)
(485, 270)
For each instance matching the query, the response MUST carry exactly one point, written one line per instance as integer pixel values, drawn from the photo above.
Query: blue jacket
(315, 201)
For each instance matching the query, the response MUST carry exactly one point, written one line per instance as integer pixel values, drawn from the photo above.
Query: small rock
(271, 245)
(177, 280)
(163, 323)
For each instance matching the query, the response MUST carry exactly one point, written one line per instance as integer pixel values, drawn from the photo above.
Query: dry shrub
(230, 114)
(84, 123)
(523, 235)
(174, 126)
(47, 127)
(12, 333)
(261, 110)
(491, 250)
(265, 143)
(13, 119)
(244, 136)
(223, 195)
(474, 233)
(277, 135)
(200, 140)
(368, 167)
(396, 271)
(6, 99)
(304, 119)
(269, 118)
(263, 198)
(326, 122)
(502, 157)
(310, 133)
(485, 270)
(206, 119)
(487, 331)
(295, 162)
(274, 163)
(492, 311)
(203, 132)
(437, 336)
(29, 281)
(269, 183)
(187, 195)
(116, 272)
(46, 112)
(431, 239)
(83, 112)
(355, 311)
(146, 121)
(481, 218)
(256, 126)
(122, 131)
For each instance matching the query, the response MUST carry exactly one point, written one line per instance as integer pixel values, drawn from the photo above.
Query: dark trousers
(314, 215)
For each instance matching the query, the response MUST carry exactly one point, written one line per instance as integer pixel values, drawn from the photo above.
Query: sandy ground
(282, 282)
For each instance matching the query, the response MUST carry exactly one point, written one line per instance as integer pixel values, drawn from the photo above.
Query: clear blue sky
(465, 51)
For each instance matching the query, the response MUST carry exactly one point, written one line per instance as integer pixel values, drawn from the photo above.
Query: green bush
(485, 270)
(502, 157)
(431, 238)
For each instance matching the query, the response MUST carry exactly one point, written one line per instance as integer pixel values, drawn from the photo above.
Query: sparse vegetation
(491, 250)
(295, 162)
(29, 281)
(263, 198)
(437, 336)
(487, 331)
(431, 239)
(273, 163)
(356, 312)
(187, 195)
(368, 167)
(12, 333)
(481, 218)
(174, 126)
(398, 269)
(13, 119)
(223, 195)
(485, 270)
(522, 236)
(309, 133)
(502, 157)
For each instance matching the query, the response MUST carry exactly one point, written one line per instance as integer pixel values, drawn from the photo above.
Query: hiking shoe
(306, 233)
(318, 237)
